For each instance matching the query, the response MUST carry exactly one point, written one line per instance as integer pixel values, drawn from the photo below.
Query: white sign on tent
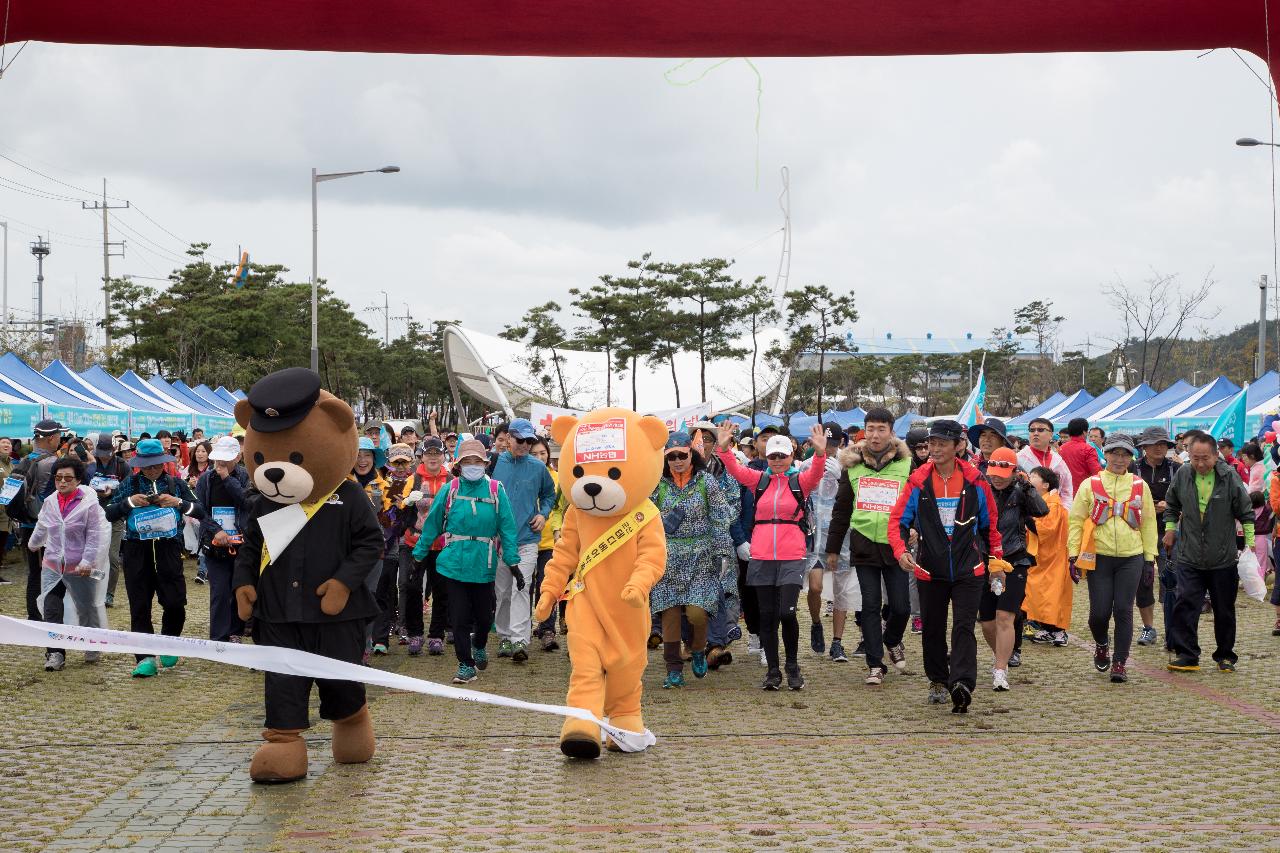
(675, 419)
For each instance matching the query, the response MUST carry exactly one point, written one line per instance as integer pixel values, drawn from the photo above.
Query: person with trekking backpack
(778, 542)
(474, 516)
(696, 516)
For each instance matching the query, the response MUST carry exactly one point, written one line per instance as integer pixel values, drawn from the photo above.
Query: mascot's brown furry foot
(353, 738)
(283, 758)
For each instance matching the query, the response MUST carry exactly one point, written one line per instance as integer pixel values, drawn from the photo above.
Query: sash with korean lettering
(629, 525)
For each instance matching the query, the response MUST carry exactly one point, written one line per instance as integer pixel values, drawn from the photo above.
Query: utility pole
(40, 248)
(407, 317)
(1261, 361)
(107, 254)
(385, 308)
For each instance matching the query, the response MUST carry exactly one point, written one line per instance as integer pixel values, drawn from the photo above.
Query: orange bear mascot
(611, 552)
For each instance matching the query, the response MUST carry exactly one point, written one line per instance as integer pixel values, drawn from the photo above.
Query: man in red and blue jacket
(948, 509)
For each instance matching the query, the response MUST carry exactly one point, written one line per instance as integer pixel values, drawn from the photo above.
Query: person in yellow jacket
(546, 630)
(1112, 539)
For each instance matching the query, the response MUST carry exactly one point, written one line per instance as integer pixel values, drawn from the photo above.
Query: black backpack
(803, 522)
(24, 508)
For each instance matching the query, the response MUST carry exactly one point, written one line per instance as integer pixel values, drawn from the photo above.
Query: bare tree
(1155, 314)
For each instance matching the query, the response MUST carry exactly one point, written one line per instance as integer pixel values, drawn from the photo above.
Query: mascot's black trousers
(288, 696)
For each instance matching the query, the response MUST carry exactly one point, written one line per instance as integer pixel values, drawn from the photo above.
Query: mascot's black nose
(592, 489)
(275, 475)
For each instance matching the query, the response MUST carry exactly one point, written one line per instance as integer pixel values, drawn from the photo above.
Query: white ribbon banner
(676, 419)
(23, 632)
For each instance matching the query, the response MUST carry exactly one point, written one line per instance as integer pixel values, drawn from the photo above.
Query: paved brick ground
(95, 760)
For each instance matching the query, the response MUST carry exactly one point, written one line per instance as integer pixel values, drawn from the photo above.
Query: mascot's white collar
(280, 527)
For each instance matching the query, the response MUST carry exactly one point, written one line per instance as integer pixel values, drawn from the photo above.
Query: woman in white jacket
(76, 537)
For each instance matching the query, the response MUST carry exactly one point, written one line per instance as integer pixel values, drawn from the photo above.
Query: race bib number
(602, 442)
(154, 522)
(225, 517)
(947, 513)
(10, 489)
(876, 494)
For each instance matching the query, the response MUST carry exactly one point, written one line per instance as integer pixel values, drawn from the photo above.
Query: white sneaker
(999, 680)
(753, 644)
(54, 661)
(764, 659)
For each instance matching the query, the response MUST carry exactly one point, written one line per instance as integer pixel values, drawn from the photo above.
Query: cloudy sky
(944, 192)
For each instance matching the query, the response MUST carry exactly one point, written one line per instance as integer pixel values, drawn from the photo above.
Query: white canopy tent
(497, 372)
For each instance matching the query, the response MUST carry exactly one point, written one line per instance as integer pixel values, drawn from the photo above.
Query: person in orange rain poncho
(1049, 586)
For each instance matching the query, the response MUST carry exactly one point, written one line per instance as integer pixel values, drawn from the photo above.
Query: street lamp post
(1250, 142)
(316, 178)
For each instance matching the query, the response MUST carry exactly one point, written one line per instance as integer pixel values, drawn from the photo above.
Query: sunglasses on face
(680, 456)
(529, 441)
(64, 478)
(778, 457)
(1005, 465)
(1040, 429)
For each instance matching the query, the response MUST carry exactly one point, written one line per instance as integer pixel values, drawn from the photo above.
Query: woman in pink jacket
(777, 566)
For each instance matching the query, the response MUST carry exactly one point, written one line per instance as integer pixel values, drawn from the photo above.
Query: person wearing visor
(532, 494)
(1016, 503)
(1112, 541)
(473, 514)
(399, 477)
(223, 490)
(696, 518)
(152, 503)
(778, 549)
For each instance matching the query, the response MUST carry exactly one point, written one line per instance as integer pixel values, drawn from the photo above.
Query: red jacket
(1081, 459)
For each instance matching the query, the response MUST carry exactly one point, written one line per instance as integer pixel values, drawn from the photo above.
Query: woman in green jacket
(474, 516)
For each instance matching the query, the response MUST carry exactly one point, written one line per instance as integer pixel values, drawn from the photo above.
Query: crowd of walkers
(954, 530)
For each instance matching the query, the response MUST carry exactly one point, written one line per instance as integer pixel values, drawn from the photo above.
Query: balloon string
(667, 75)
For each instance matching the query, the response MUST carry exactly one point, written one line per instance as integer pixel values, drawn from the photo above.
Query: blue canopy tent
(801, 424)
(1260, 392)
(147, 412)
(764, 419)
(1155, 406)
(847, 418)
(210, 419)
(903, 424)
(1211, 392)
(1105, 402)
(204, 392)
(226, 395)
(78, 411)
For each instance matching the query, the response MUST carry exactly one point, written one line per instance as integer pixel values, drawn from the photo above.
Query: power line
(156, 248)
(50, 177)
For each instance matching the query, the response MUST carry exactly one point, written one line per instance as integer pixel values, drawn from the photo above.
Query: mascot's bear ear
(561, 426)
(337, 411)
(243, 411)
(655, 430)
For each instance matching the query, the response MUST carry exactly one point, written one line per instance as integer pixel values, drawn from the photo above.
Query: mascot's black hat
(282, 399)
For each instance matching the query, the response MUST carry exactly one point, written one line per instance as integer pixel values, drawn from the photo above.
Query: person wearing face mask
(474, 515)
(366, 475)
(529, 486)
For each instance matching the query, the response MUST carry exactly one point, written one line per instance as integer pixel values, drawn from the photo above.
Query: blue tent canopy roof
(1155, 406)
(33, 384)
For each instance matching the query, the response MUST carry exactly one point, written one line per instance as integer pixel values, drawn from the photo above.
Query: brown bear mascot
(611, 552)
(311, 540)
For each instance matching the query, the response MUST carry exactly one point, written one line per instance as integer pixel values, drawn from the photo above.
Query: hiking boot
(519, 654)
(875, 675)
(1275, 631)
(168, 661)
(718, 656)
(861, 650)
(817, 640)
(1015, 660)
(415, 646)
(111, 602)
(699, 664)
(1042, 636)
(837, 652)
(201, 578)
(1060, 638)
(960, 698)
(506, 649)
(733, 635)
(999, 680)
(54, 661)
(655, 640)
(1146, 636)
(380, 649)
(481, 657)
(772, 680)
(1184, 663)
(448, 638)
(146, 668)
(435, 646)
(1226, 666)
(1119, 674)
(466, 674)
(898, 657)
(403, 639)
(937, 693)
(549, 641)
(917, 625)
(673, 679)
(1101, 657)
(795, 681)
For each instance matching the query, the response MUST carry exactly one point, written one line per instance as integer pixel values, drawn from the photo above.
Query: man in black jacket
(1203, 504)
(1156, 468)
(223, 490)
(104, 475)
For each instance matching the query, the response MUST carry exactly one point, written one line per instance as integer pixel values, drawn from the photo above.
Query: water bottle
(997, 586)
(98, 574)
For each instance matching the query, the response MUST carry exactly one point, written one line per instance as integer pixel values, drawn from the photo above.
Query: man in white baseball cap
(223, 490)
